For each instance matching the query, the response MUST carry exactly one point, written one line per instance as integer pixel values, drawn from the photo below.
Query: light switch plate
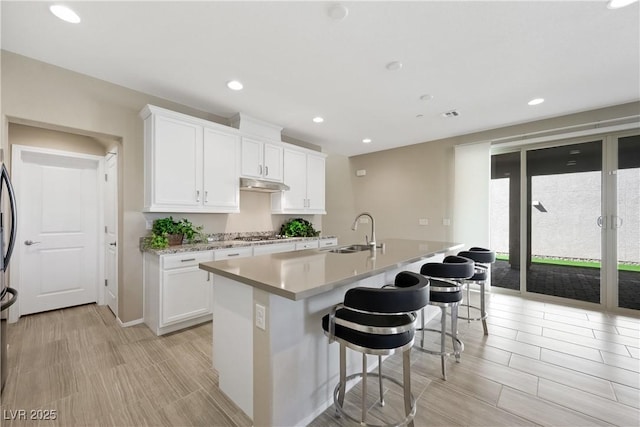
(423, 221)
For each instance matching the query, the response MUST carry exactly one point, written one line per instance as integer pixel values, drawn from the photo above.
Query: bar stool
(378, 322)
(483, 258)
(446, 291)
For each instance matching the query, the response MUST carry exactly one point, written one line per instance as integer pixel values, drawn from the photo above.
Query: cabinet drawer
(232, 253)
(312, 244)
(186, 259)
(324, 243)
(272, 249)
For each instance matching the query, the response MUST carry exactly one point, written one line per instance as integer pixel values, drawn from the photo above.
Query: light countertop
(302, 274)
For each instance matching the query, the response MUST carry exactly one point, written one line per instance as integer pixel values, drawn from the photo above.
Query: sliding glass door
(565, 220)
(626, 221)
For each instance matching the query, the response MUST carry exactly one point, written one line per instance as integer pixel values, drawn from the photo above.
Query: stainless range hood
(251, 184)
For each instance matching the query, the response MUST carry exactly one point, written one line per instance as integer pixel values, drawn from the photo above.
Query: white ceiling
(485, 59)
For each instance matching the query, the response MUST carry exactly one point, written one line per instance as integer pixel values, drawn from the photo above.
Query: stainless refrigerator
(8, 296)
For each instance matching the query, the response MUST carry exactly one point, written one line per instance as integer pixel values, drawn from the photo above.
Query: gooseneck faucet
(354, 227)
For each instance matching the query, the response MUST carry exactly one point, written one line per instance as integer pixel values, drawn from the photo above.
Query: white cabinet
(328, 242)
(261, 159)
(307, 244)
(191, 165)
(274, 248)
(304, 173)
(177, 293)
(231, 253)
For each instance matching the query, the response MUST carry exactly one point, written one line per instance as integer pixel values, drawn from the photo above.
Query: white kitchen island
(269, 349)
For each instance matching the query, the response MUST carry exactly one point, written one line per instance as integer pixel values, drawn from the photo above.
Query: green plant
(164, 226)
(156, 241)
(298, 227)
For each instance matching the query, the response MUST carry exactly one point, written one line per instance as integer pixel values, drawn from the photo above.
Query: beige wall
(47, 96)
(408, 183)
(64, 141)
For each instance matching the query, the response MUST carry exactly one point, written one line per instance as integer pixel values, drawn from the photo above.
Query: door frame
(17, 166)
(112, 153)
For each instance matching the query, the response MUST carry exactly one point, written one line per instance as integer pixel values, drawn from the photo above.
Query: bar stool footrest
(438, 352)
(475, 307)
(342, 412)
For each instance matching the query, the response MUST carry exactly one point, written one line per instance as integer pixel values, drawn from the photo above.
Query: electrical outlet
(423, 221)
(446, 221)
(361, 172)
(261, 317)
(149, 224)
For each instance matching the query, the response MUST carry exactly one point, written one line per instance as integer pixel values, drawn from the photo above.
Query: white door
(315, 183)
(252, 158)
(111, 232)
(295, 176)
(58, 199)
(220, 172)
(273, 162)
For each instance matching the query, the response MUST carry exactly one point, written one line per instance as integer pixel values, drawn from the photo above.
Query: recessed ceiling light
(234, 85)
(367, 140)
(394, 65)
(318, 119)
(617, 4)
(426, 97)
(536, 101)
(338, 12)
(64, 13)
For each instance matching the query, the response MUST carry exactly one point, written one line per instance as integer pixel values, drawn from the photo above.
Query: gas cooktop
(261, 238)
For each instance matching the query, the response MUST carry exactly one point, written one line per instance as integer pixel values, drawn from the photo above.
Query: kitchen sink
(350, 249)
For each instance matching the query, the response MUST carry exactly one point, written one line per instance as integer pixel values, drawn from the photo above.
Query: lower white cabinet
(178, 294)
(231, 253)
(273, 248)
(328, 242)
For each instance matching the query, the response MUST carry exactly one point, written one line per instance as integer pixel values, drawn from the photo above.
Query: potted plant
(167, 232)
(298, 227)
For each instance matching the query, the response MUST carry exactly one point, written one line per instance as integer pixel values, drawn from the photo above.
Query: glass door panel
(505, 220)
(564, 197)
(627, 222)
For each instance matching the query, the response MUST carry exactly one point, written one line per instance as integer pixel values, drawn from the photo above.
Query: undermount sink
(350, 249)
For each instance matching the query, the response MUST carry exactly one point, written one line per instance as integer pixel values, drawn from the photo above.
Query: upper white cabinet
(261, 159)
(191, 165)
(304, 173)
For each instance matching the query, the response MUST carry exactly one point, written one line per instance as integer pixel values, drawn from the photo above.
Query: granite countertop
(302, 274)
(224, 244)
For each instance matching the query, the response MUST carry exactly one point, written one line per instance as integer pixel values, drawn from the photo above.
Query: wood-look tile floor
(542, 364)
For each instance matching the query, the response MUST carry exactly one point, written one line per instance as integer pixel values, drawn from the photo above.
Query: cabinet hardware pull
(206, 197)
(236, 254)
(259, 169)
(266, 170)
(30, 242)
(187, 260)
(197, 195)
(208, 276)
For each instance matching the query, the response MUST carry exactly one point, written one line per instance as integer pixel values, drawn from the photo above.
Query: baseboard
(131, 323)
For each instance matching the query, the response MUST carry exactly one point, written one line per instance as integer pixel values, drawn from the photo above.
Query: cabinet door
(315, 184)
(186, 294)
(295, 176)
(177, 163)
(252, 158)
(221, 175)
(272, 162)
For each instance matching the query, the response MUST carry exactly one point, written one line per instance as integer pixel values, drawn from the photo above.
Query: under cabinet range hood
(251, 184)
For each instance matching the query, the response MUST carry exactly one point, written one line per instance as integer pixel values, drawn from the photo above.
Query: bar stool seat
(482, 258)
(446, 292)
(378, 321)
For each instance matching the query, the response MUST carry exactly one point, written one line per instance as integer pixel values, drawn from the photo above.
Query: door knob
(30, 242)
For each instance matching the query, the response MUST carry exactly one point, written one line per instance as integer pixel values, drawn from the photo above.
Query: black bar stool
(379, 322)
(483, 258)
(446, 291)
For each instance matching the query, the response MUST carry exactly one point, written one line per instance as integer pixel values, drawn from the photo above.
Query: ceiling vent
(451, 113)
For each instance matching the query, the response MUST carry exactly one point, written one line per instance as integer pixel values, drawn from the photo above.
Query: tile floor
(542, 364)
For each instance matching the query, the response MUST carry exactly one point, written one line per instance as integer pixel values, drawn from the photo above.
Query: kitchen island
(269, 349)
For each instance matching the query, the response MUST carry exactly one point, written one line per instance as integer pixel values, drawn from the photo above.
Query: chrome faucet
(354, 227)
